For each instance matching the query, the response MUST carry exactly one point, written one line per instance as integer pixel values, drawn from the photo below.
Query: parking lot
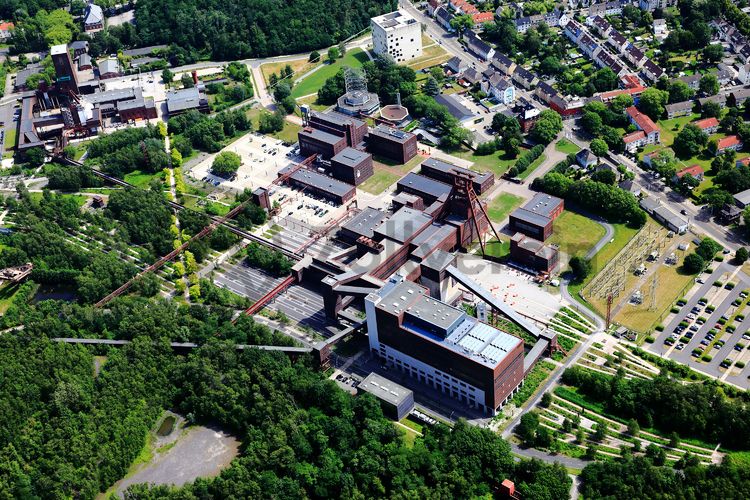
(262, 157)
(710, 333)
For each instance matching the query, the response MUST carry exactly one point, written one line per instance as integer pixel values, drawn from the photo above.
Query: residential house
(634, 140)
(613, 8)
(631, 187)
(652, 71)
(606, 60)
(616, 40)
(457, 65)
(93, 18)
(573, 31)
(478, 47)
(634, 55)
(725, 73)
(462, 7)
(524, 78)
(503, 63)
(588, 45)
(522, 24)
(744, 53)
(643, 122)
(683, 108)
(692, 81)
(432, 5)
(79, 47)
(483, 17)
(84, 62)
(729, 143)
(502, 89)
(708, 125)
(443, 18)
(600, 25)
(720, 99)
(652, 5)
(744, 74)
(471, 76)
(6, 30)
(586, 158)
(660, 28)
(738, 97)
(455, 107)
(694, 171)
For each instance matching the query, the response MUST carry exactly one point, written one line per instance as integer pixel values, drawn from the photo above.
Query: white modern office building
(396, 35)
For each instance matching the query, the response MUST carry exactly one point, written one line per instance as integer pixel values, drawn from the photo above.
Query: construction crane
(174, 253)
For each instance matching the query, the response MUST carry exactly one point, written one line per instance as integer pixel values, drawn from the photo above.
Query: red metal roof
(706, 123)
(6, 25)
(634, 136)
(694, 170)
(728, 142)
(631, 81)
(644, 122)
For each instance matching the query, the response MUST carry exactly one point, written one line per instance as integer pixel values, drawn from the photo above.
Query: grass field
(566, 147)
(502, 205)
(575, 234)
(299, 66)
(312, 101)
(432, 55)
(403, 168)
(498, 249)
(7, 293)
(141, 179)
(10, 137)
(379, 182)
(287, 134)
(534, 165)
(310, 85)
(497, 163)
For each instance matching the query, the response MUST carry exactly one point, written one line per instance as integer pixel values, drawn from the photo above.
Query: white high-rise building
(397, 35)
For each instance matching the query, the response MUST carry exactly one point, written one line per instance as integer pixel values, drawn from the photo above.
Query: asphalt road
(714, 294)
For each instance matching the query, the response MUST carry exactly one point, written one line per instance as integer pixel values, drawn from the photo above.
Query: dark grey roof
(425, 185)
(79, 45)
(180, 100)
(322, 182)
(365, 222)
(530, 217)
(391, 133)
(446, 167)
(321, 136)
(109, 66)
(350, 156)
(617, 37)
(144, 51)
(439, 260)
(543, 204)
(404, 224)
(84, 60)
(456, 109)
(679, 106)
(113, 95)
(24, 74)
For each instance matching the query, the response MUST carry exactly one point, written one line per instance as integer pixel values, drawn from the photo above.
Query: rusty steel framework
(463, 192)
(174, 253)
(307, 162)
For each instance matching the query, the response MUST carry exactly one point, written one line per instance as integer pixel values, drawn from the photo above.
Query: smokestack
(195, 77)
(398, 97)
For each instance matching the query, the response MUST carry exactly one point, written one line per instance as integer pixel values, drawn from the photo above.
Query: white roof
(94, 14)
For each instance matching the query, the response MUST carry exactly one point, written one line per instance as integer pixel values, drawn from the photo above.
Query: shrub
(740, 364)
(650, 340)
(659, 328)
(707, 358)
(675, 310)
(718, 283)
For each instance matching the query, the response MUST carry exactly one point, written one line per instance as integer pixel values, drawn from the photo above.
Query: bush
(675, 310)
(226, 164)
(659, 328)
(739, 364)
(707, 358)
(525, 160)
(650, 340)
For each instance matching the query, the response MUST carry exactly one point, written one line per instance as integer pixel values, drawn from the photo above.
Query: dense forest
(695, 410)
(70, 432)
(236, 29)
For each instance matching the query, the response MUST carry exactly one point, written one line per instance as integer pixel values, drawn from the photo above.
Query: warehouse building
(536, 217)
(362, 224)
(313, 141)
(533, 254)
(352, 166)
(392, 143)
(316, 184)
(426, 188)
(446, 172)
(183, 100)
(443, 347)
(337, 124)
(397, 401)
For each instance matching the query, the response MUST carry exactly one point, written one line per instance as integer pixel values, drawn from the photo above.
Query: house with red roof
(745, 162)
(729, 143)
(6, 30)
(634, 140)
(708, 125)
(644, 123)
(483, 17)
(694, 171)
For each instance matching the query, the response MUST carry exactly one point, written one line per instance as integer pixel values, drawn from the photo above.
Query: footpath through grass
(567, 147)
(354, 58)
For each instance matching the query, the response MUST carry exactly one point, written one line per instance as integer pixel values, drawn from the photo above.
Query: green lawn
(567, 147)
(141, 179)
(668, 130)
(379, 182)
(353, 58)
(575, 234)
(497, 249)
(287, 134)
(10, 137)
(534, 165)
(404, 168)
(79, 198)
(497, 163)
(502, 205)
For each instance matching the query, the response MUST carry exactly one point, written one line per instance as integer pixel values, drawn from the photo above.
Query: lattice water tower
(356, 87)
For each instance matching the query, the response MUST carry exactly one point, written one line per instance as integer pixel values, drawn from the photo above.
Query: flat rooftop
(350, 157)
(443, 166)
(543, 204)
(404, 224)
(425, 185)
(390, 133)
(393, 20)
(365, 222)
(447, 326)
(384, 389)
(322, 182)
(321, 136)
